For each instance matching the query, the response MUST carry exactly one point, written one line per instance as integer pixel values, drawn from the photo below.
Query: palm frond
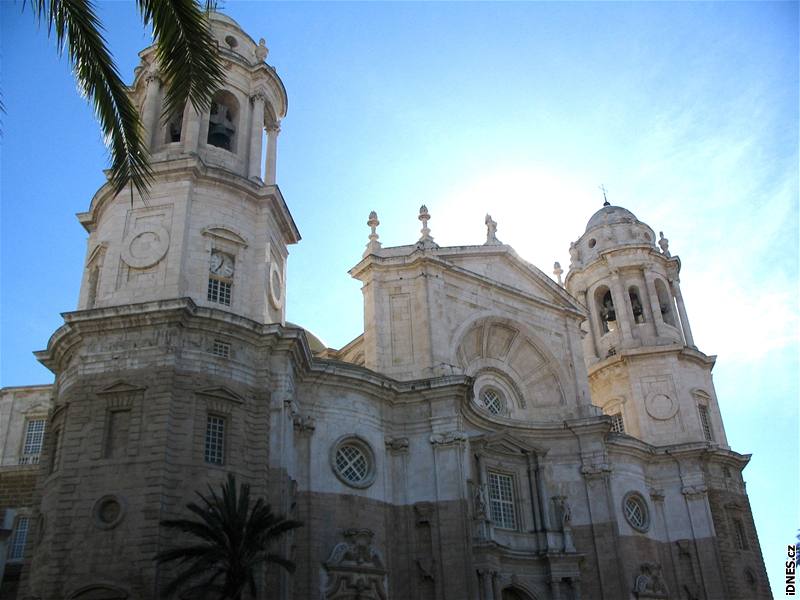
(186, 51)
(78, 29)
(235, 534)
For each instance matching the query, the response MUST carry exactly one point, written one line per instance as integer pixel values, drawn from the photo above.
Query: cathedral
(493, 434)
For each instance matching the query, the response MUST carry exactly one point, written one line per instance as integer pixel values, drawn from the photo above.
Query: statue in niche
(564, 512)
(481, 504)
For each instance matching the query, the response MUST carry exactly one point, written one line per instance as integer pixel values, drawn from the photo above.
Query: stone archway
(514, 593)
(99, 592)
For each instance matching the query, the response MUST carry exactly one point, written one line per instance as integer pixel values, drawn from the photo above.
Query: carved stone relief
(355, 569)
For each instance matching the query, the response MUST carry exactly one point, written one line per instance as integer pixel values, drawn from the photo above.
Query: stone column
(270, 165)
(687, 331)
(254, 163)
(621, 307)
(191, 136)
(555, 587)
(150, 109)
(655, 306)
(5, 535)
(496, 586)
(532, 478)
(592, 343)
(701, 526)
(485, 577)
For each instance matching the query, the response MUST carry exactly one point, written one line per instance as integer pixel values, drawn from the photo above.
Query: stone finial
(373, 244)
(261, 50)
(491, 232)
(426, 240)
(664, 244)
(558, 272)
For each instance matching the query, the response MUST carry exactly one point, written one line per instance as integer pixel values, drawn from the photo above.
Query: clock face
(221, 264)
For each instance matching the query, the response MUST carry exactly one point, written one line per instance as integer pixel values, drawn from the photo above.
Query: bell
(219, 135)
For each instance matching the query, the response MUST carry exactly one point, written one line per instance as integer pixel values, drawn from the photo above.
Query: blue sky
(687, 112)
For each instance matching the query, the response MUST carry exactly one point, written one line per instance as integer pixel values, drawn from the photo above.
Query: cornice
(192, 167)
(625, 355)
(437, 258)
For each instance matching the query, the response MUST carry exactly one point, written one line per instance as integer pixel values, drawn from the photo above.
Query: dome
(609, 215)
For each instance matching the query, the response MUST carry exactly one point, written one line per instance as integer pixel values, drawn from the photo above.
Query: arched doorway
(512, 593)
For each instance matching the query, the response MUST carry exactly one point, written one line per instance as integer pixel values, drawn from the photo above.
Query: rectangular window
(501, 499)
(119, 424)
(215, 440)
(16, 551)
(741, 537)
(56, 451)
(32, 447)
(617, 424)
(219, 291)
(222, 349)
(705, 421)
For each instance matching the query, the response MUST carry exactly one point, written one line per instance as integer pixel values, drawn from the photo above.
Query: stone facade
(492, 434)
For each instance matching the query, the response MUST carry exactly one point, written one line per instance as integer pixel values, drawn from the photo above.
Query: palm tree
(233, 542)
(188, 60)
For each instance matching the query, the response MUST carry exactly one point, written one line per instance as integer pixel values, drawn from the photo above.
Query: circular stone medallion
(143, 248)
(108, 511)
(275, 285)
(661, 407)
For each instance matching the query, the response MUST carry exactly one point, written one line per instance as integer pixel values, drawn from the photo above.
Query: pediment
(37, 408)
(505, 443)
(501, 265)
(121, 387)
(225, 233)
(221, 393)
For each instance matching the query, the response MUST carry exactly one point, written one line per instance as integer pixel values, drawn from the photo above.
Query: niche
(665, 302)
(606, 310)
(222, 120)
(636, 304)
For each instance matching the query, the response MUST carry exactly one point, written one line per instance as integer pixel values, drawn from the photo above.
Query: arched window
(636, 304)
(666, 303)
(605, 309)
(174, 127)
(222, 120)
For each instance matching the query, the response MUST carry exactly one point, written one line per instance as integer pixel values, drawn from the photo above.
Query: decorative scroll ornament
(355, 569)
(451, 437)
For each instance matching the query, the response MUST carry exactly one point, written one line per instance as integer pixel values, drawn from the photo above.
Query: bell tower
(644, 368)
(171, 374)
(215, 227)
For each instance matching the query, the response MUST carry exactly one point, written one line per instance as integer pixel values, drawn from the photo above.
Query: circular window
(231, 41)
(108, 512)
(592, 243)
(353, 462)
(635, 510)
(492, 400)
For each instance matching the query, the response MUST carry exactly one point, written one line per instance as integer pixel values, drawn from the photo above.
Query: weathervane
(605, 199)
